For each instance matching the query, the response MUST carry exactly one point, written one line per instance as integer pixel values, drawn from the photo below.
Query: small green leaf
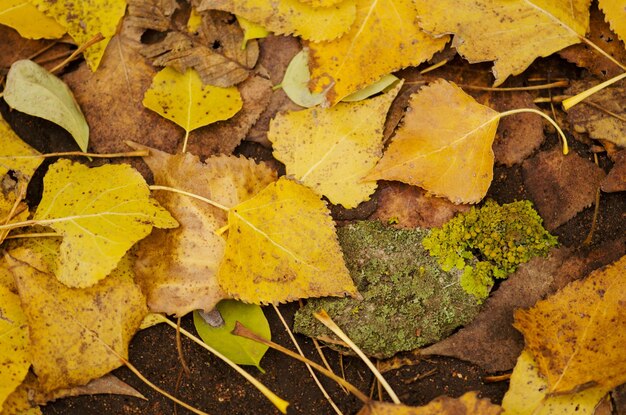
(238, 349)
(33, 90)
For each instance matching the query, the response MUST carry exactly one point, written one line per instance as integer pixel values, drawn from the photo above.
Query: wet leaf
(33, 90)
(28, 21)
(238, 349)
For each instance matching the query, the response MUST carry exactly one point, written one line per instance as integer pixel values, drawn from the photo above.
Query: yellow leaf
(444, 145)
(194, 22)
(183, 99)
(615, 12)
(512, 33)
(333, 156)
(287, 17)
(14, 356)
(77, 334)
(527, 394)
(15, 154)
(321, 3)
(177, 269)
(251, 30)
(281, 247)
(28, 21)
(577, 336)
(101, 212)
(468, 404)
(384, 29)
(20, 402)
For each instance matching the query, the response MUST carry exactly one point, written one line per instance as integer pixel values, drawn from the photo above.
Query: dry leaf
(101, 212)
(281, 247)
(77, 334)
(443, 146)
(468, 404)
(107, 384)
(331, 149)
(512, 33)
(616, 15)
(20, 402)
(286, 17)
(580, 349)
(177, 269)
(615, 181)
(385, 29)
(560, 186)
(28, 21)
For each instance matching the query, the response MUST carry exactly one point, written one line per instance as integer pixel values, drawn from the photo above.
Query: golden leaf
(577, 336)
(77, 334)
(468, 404)
(615, 12)
(101, 212)
(22, 16)
(345, 144)
(385, 29)
(286, 17)
(444, 145)
(84, 20)
(183, 99)
(15, 154)
(281, 247)
(512, 33)
(177, 269)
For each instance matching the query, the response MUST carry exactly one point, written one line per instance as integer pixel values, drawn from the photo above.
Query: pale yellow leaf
(615, 12)
(281, 247)
(30, 23)
(15, 154)
(444, 145)
(331, 149)
(468, 404)
(251, 30)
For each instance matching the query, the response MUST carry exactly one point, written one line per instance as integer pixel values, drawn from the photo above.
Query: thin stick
(570, 102)
(42, 50)
(554, 98)
(138, 153)
(433, 67)
(295, 343)
(185, 141)
(55, 57)
(97, 38)
(21, 192)
(179, 347)
(596, 210)
(193, 195)
(602, 52)
(241, 330)
(280, 403)
(320, 352)
(604, 110)
(557, 84)
(325, 319)
(550, 120)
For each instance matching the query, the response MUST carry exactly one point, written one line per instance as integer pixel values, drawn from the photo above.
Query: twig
(97, 38)
(179, 347)
(193, 195)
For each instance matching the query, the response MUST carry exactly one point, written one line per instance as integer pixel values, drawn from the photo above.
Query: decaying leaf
(20, 402)
(615, 181)
(28, 21)
(101, 212)
(286, 17)
(385, 29)
(295, 83)
(512, 33)
(331, 149)
(408, 301)
(84, 20)
(468, 404)
(177, 269)
(561, 186)
(107, 384)
(615, 15)
(33, 90)
(238, 349)
(443, 146)
(77, 334)
(281, 247)
(527, 394)
(581, 349)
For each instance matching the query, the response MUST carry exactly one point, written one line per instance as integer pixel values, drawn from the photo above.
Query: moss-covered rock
(408, 301)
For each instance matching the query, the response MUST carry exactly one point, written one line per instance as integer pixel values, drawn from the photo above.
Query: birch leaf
(511, 33)
(251, 30)
(30, 23)
(101, 212)
(332, 157)
(444, 145)
(281, 247)
(16, 155)
(615, 12)
(33, 90)
(468, 404)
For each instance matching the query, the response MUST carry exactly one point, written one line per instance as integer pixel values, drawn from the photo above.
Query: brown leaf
(468, 404)
(107, 384)
(14, 47)
(561, 186)
(615, 181)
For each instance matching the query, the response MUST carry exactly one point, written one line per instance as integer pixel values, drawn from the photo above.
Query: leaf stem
(557, 84)
(550, 120)
(570, 102)
(97, 38)
(35, 235)
(193, 195)
(185, 141)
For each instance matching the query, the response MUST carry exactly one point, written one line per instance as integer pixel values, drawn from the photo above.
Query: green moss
(489, 242)
(408, 300)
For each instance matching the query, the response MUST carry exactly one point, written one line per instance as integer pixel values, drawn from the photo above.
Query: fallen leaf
(14, 347)
(77, 335)
(16, 155)
(28, 21)
(527, 394)
(513, 34)
(578, 350)
(33, 90)
(333, 157)
(286, 17)
(382, 28)
(443, 146)
(296, 82)
(14, 47)
(20, 402)
(251, 30)
(177, 269)
(105, 385)
(560, 186)
(84, 20)
(616, 16)
(101, 212)
(468, 404)
(183, 99)
(615, 181)
(281, 247)
(240, 350)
